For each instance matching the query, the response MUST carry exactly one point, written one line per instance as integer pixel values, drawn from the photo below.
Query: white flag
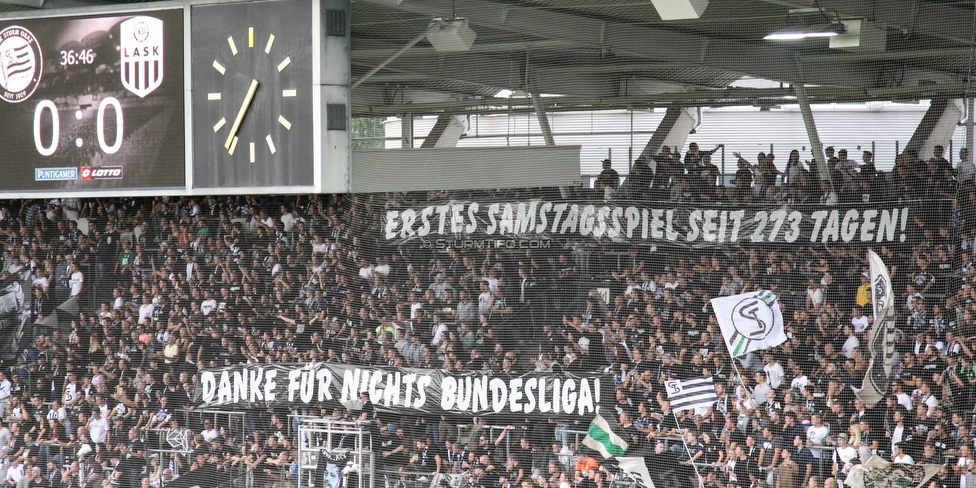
(636, 468)
(881, 338)
(690, 394)
(750, 321)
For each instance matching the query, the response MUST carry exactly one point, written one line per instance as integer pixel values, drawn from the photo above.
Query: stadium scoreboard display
(92, 102)
(139, 101)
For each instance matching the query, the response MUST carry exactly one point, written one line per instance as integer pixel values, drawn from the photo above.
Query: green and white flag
(601, 438)
(750, 321)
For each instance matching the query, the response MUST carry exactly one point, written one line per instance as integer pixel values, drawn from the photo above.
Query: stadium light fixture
(450, 35)
(680, 9)
(807, 32)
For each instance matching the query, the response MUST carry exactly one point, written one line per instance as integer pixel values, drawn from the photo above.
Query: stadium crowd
(169, 286)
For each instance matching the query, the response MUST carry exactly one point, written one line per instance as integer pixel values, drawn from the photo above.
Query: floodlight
(807, 31)
(450, 35)
(680, 9)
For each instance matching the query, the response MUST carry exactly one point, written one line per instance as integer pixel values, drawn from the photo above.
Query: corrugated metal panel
(747, 130)
(456, 168)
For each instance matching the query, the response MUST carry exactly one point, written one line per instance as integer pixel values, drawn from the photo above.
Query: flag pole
(687, 450)
(742, 382)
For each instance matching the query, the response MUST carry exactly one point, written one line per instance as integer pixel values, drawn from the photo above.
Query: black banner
(408, 391)
(459, 224)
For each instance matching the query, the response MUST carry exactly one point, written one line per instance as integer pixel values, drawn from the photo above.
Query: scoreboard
(92, 102)
(189, 98)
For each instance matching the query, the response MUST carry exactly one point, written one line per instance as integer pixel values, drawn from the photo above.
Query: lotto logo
(103, 173)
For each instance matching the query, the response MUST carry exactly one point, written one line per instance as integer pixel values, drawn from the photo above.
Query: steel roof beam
(752, 58)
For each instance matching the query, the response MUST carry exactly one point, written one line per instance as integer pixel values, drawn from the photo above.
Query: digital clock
(93, 102)
(72, 57)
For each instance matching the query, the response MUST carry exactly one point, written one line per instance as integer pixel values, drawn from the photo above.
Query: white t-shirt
(59, 414)
(438, 333)
(77, 278)
(286, 221)
(15, 472)
(816, 296)
(964, 478)
(904, 459)
(849, 346)
(145, 311)
(966, 171)
(800, 383)
(5, 436)
(43, 282)
(843, 455)
(931, 402)
(97, 429)
(818, 435)
(905, 400)
(897, 435)
(208, 306)
(860, 324)
(775, 374)
(70, 392)
(483, 300)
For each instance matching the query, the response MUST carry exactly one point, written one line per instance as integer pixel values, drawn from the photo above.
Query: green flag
(601, 437)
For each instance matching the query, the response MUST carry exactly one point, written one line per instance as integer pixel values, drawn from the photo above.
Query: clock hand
(240, 113)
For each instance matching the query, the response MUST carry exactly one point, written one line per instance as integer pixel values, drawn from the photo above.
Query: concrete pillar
(672, 131)
(936, 127)
(446, 132)
(818, 151)
(540, 113)
(970, 123)
(332, 84)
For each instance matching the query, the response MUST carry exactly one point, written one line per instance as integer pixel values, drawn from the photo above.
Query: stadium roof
(596, 54)
(621, 54)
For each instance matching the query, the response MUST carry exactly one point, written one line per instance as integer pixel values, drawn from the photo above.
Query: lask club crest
(141, 49)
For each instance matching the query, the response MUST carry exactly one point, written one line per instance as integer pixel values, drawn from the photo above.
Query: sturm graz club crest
(880, 289)
(141, 50)
(21, 64)
(753, 319)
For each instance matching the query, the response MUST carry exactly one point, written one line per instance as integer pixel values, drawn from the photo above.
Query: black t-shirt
(426, 458)
(668, 422)
(400, 457)
(137, 445)
(609, 177)
(597, 354)
(743, 468)
(737, 437)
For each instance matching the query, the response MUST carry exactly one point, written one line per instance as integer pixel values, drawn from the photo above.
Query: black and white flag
(691, 393)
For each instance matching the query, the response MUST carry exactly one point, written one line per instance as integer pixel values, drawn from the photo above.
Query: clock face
(252, 95)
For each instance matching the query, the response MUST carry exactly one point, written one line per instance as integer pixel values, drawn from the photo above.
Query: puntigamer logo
(55, 174)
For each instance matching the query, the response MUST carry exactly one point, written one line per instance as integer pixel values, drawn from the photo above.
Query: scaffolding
(334, 454)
